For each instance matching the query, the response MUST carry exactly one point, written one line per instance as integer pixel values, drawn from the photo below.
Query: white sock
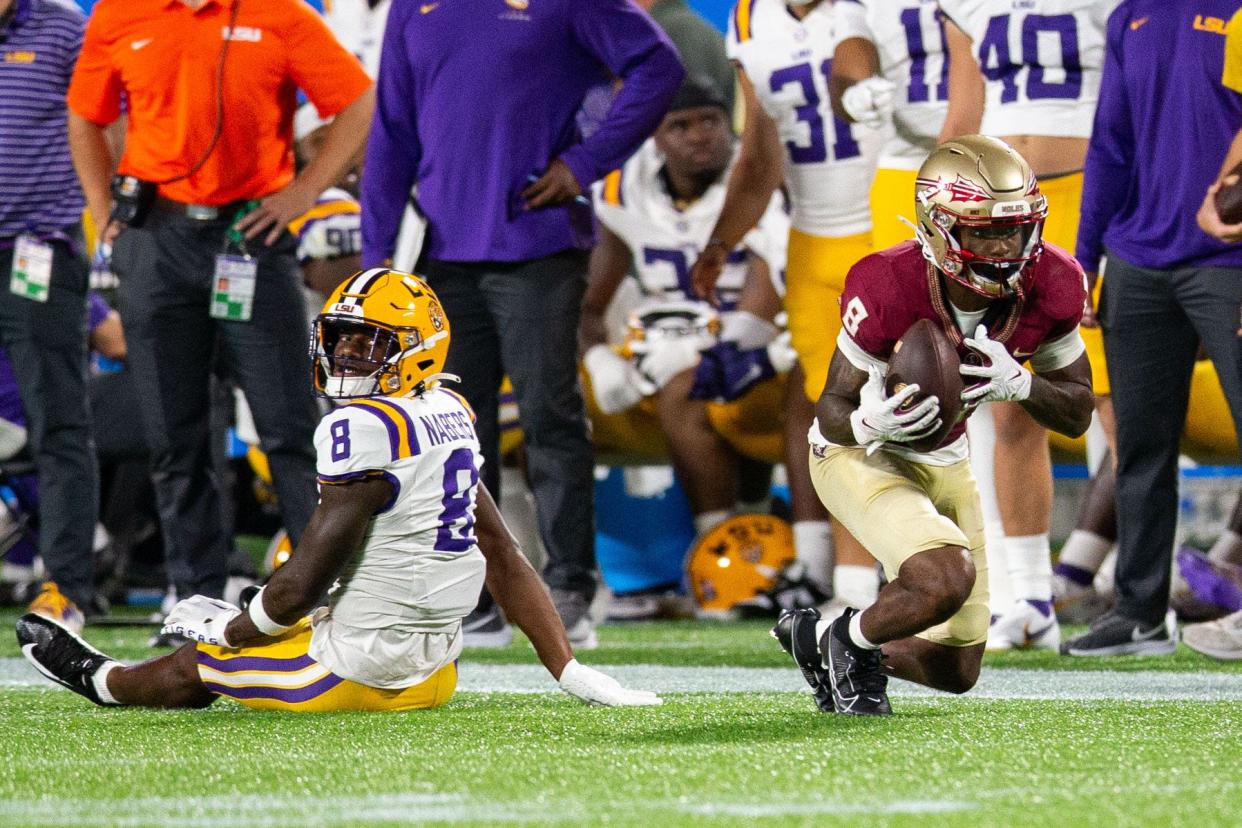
(855, 586)
(1085, 550)
(707, 521)
(813, 546)
(1030, 567)
(982, 436)
(1000, 592)
(1097, 444)
(1228, 548)
(100, 682)
(856, 634)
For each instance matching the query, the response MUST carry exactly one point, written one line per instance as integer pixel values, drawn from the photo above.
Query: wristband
(262, 621)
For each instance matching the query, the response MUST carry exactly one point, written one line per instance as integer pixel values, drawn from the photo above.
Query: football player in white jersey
(1028, 71)
(685, 388)
(912, 83)
(784, 55)
(402, 541)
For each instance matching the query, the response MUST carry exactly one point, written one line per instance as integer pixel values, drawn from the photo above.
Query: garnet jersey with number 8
(420, 566)
(1042, 60)
(887, 292)
(829, 163)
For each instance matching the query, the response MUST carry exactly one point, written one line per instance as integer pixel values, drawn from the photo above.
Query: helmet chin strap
(921, 237)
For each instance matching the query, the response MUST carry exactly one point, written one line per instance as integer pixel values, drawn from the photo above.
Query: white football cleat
(1024, 626)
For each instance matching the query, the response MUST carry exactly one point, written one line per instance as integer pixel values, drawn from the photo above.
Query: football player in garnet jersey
(402, 540)
(980, 269)
(1029, 73)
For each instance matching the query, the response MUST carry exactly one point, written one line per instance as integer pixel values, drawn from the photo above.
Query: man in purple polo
(1162, 126)
(43, 278)
(476, 108)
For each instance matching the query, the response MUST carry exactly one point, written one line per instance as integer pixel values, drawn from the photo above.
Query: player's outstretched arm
(336, 530)
(515, 585)
(518, 589)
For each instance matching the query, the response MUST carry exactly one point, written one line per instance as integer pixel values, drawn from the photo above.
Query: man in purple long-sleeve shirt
(476, 108)
(1162, 126)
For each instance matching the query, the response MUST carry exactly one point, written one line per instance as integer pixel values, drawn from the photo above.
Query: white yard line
(1144, 685)
(250, 811)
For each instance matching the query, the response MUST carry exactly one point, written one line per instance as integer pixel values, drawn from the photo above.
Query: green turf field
(1044, 741)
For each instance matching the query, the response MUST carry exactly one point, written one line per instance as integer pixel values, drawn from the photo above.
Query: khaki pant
(897, 508)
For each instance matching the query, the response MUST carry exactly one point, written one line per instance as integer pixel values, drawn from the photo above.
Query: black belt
(198, 212)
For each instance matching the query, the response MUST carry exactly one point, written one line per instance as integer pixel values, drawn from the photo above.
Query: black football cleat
(859, 685)
(60, 655)
(793, 591)
(795, 632)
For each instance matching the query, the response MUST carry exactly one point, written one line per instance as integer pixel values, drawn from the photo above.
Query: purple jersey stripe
(242, 663)
(411, 435)
(293, 695)
(394, 438)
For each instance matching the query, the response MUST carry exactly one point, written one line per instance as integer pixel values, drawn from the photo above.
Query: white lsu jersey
(359, 28)
(330, 229)
(829, 163)
(1041, 60)
(634, 203)
(909, 36)
(395, 611)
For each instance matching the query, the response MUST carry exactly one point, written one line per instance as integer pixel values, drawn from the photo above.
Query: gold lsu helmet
(659, 320)
(408, 332)
(981, 183)
(738, 559)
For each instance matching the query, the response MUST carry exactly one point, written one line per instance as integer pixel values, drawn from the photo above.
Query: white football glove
(781, 353)
(1004, 378)
(877, 420)
(201, 619)
(594, 687)
(870, 101)
(615, 383)
(666, 358)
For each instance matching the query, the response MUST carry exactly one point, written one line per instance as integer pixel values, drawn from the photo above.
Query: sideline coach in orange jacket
(197, 217)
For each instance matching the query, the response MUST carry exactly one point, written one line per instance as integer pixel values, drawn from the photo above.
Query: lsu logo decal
(518, 5)
(437, 315)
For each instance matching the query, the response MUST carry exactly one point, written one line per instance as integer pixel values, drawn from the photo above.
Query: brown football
(925, 356)
(1229, 197)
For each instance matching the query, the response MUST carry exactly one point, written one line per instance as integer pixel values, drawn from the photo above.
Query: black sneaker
(859, 685)
(60, 655)
(486, 628)
(793, 591)
(1115, 634)
(795, 631)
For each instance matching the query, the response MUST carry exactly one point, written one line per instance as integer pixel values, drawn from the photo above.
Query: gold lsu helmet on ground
(407, 328)
(982, 183)
(738, 559)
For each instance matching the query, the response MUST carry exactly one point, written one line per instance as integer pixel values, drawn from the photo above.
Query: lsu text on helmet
(738, 559)
(980, 214)
(381, 333)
